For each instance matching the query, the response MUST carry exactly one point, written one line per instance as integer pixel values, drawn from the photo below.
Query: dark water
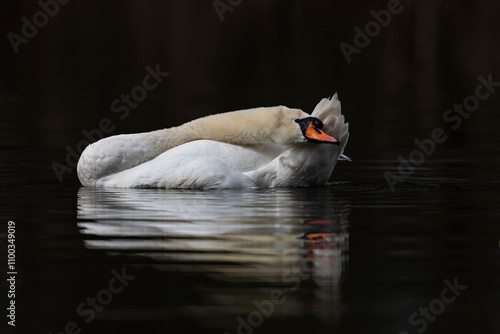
(351, 257)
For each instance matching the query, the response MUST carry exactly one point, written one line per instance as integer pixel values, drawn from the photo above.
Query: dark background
(265, 53)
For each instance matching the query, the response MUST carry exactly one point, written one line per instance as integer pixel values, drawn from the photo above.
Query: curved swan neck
(243, 127)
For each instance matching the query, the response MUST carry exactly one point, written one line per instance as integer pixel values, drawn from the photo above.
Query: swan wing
(201, 164)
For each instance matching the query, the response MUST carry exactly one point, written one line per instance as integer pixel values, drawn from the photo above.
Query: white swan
(262, 147)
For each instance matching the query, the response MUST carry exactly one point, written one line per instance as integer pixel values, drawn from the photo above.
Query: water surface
(350, 257)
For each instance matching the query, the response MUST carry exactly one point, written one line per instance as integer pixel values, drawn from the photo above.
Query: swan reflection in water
(244, 244)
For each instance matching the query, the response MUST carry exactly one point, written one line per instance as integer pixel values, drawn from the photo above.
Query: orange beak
(315, 135)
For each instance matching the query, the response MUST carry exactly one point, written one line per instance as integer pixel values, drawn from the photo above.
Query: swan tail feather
(329, 110)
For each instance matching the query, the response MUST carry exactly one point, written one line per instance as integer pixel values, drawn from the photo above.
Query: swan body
(262, 147)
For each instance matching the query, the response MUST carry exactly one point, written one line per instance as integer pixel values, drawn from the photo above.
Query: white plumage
(261, 147)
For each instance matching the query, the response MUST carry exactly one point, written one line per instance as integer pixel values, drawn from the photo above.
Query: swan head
(289, 127)
(310, 127)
